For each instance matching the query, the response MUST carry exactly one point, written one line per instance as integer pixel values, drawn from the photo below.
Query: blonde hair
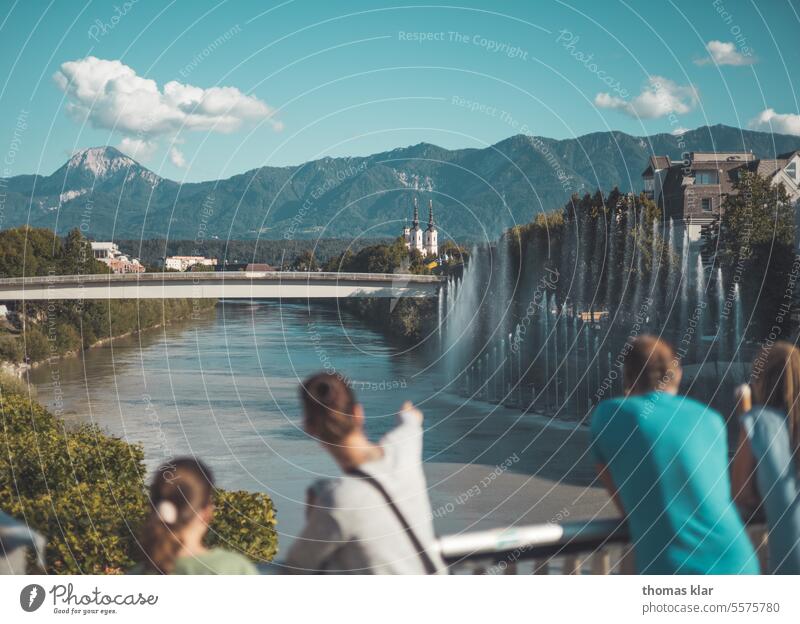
(650, 364)
(776, 374)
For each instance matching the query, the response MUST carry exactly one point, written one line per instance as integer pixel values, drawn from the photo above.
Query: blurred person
(376, 518)
(182, 509)
(664, 461)
(766, 467)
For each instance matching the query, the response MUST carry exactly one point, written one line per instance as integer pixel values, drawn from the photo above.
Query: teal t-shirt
(668, 457)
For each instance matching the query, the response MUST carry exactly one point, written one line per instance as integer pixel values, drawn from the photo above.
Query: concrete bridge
(219, 285)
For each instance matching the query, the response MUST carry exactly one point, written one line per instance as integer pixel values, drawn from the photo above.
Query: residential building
(109, 254)
(183, 263)
(692, 192)
(258, 267)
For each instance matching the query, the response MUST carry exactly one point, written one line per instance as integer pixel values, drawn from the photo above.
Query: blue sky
(205, 89)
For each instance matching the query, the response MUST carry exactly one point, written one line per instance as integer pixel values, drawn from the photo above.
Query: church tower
(415, 238)
(416, 231)
(431, 235)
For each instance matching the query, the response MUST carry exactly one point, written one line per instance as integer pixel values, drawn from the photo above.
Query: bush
(67, 338)
(244, 522)
(37, 347)
(85, 492)
(10, 348)
(11, 384)
(81, 489)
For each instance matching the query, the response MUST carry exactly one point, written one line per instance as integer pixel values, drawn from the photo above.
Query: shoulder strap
(427, 562)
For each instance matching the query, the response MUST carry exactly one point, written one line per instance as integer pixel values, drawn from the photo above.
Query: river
(224, 388)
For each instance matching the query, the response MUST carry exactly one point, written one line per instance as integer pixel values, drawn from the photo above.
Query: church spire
(415, 222)
(430, 214)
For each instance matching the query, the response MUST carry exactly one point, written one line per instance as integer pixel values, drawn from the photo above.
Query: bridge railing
(591, 547)
(204, 276)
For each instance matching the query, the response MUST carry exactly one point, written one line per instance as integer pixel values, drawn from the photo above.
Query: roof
(768, 167)
(660, 162)
(721, 157)
(655, 163)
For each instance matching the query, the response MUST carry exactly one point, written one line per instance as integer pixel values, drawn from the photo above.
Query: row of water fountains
(536, 333)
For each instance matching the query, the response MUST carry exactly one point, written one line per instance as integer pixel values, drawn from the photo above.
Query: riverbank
(409, 322)
(33, 332)
(43, 332)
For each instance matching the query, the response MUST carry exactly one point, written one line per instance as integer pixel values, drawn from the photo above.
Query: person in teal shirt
(664, 460)
(181, 511)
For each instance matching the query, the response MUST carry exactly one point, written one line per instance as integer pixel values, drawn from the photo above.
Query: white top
(351, 529)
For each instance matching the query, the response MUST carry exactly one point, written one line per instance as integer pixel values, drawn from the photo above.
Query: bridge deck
(218, 285)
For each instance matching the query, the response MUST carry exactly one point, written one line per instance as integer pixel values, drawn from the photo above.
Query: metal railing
(591, 547)
(206, 276)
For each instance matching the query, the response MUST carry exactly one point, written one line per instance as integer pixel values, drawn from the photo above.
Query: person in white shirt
(376, 518)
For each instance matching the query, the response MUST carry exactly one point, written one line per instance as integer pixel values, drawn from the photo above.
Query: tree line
(39, 330)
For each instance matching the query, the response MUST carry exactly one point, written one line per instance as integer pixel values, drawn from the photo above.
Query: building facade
(184, 263)
(692, 192)
(109, 254)
(427, 241)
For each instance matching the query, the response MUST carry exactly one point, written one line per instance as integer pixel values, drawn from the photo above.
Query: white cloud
(679, 131)
(138, 149)
(110, 95)
(724, 53)
(177, 157)
(782, 123)
(659, 98)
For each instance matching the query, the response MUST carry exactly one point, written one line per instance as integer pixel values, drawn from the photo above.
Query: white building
(183, 263)
(109, 254)
(104, 251)
(427, 242)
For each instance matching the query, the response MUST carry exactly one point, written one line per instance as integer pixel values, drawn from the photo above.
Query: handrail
(574, 541)
(201, 276)
(535, 541)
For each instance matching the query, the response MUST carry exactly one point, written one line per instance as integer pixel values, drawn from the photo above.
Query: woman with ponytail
(181, 511)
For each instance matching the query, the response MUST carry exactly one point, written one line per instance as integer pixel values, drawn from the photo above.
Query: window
(706, 204)
(649, 185)
(710, 176)
(791, 170)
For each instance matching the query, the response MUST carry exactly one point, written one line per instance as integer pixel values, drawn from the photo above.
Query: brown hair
(183, 487)
(650, 364)
(776, 375)
(328, 405)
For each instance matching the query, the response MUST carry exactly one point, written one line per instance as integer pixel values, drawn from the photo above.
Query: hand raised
(408, 409)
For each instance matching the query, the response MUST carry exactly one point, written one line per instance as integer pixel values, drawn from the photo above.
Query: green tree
(756, 245)
(306, 261)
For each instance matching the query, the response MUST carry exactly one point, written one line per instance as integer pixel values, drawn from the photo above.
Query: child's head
(181, 500)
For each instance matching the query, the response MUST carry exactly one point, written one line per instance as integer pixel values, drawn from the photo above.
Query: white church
(425, 242)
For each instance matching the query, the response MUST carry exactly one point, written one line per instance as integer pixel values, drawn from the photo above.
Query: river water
(224, 389)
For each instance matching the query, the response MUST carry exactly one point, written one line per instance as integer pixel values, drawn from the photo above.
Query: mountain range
(476, 193)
